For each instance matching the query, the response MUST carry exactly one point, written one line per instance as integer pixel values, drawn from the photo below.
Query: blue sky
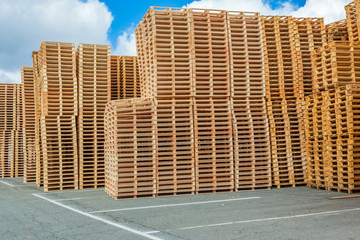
(129, 13)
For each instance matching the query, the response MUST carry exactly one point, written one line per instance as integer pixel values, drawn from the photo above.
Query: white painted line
(7, 184)
(74, 191)
(144, 234)
(271, 219)
(71, 199)
(174, 205)
(152, 232)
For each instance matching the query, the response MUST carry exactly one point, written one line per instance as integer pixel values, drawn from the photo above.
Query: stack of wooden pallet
(131, 164)
(93, 69)
(168, 77)
(125, 81)
(212, 93)
(11, 133)
(288, 42)
(196, 90)
(252, 156)
(57, 98)
(331, 115)
(352, 19)
(27, 78)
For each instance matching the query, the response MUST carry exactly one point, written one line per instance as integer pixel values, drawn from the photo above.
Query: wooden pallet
(352, 19)
(337, 31)
(93, 69)
(27, 77)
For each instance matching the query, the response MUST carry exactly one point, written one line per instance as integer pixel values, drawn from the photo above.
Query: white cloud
(126, 43)
(331, 10)
(10, 76)
(25, 24)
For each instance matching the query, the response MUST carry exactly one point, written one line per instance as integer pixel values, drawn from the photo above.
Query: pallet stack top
(337, 31)
(335, 64)
(352, 16)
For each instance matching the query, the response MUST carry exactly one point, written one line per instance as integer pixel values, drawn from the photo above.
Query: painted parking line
(73, 191)
(123, 227)
(269, 219)
(84, 198)
(11, 185)
(174, 205)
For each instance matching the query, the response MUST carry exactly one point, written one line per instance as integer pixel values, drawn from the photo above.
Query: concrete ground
(289, 213)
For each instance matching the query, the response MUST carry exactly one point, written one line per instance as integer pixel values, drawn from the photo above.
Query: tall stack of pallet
(252, 156)
(331, 116)
(56, 91)
(27, 78)
(212, 93)
(11, 133)
(164, 37)
(287, 45)
(93, 68)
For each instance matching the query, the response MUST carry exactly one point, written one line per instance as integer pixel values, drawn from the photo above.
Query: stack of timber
(11, 133)
(27, 78)
(56, 92)
(288, 43)
(125, 81)
(252, 156)
(337, 31)
(93, 69)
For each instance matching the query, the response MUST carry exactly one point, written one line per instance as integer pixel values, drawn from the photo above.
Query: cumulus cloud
(126, 43)
(10, 76)
(331, 10)
(25, 24)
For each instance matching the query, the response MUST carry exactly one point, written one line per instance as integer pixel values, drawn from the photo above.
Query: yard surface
(26, 212)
